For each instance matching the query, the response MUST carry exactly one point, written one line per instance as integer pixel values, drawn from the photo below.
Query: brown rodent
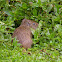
(23, 33)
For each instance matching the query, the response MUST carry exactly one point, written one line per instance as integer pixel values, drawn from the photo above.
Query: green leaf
(24, 6)
(49, 8)
(34, 12)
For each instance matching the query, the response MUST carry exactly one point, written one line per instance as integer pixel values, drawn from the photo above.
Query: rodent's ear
(28, 24)
(23, 20)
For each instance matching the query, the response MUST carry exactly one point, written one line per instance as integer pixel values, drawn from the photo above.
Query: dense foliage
(47, 38)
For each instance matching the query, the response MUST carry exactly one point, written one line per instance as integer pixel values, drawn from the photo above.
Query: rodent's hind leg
(27, 46)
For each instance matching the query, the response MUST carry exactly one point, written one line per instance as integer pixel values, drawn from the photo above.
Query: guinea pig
(23, 33)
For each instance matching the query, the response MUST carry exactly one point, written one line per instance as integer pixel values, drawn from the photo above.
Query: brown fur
(23, 32)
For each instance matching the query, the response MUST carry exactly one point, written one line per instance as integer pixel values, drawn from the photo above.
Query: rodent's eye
(33, 23)
(28, 24)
